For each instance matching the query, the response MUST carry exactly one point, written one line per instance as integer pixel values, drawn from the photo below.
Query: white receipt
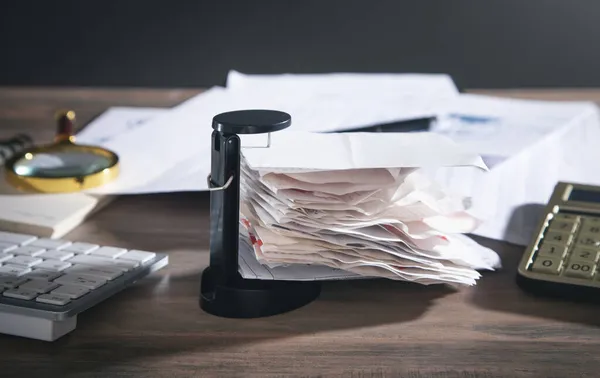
(357, 210)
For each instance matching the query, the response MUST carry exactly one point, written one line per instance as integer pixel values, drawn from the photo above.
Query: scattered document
(116, 122)
(179, 140)
(129, 123)
(500, 128)
(529, 146)
(358, 208)
(344, 101)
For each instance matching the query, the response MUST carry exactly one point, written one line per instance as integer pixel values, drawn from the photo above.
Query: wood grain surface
(355, 329)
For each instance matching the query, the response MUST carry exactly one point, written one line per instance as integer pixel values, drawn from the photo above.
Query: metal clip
(214, 189)
(267, 146)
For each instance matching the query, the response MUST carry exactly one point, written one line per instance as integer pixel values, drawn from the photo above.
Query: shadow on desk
(159, 318)
(117, 333)
(498, 291)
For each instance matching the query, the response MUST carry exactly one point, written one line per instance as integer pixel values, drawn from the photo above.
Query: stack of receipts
(355, 207)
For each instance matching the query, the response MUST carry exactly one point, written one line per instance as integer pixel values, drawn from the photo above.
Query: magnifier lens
(61, 164)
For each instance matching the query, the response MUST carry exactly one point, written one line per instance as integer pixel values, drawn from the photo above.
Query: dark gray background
(177, 43)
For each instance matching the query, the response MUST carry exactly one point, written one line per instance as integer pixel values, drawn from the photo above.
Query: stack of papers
(358, 208)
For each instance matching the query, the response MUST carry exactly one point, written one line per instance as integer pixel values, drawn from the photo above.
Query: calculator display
(583, 195)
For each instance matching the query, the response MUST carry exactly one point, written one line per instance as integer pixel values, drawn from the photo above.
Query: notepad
(50, 216)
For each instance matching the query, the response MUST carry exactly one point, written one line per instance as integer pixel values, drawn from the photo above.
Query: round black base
(244, 298)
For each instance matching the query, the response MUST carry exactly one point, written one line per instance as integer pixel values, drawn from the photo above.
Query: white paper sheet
(116, 122)
(529, 146)
(499, 128)
(150, 155)
(343, 101)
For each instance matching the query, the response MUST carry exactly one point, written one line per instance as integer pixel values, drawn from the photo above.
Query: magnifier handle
(65, 121)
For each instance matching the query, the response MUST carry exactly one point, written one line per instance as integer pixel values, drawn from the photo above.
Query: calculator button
(580, 269)
(591, 229)
(585, 254)
(591, 221)
(566, 217)
(547, 265)
(563, 226)
(558, 237)
(587, 240)
(556, 251)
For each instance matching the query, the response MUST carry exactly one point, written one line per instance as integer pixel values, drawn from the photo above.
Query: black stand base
(244, 298)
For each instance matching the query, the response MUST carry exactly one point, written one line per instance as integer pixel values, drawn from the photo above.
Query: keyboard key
(547, 265)
(558, 237)
(28, 251)
(585, 254)
(14, 270)
(7, 247)
(95, 271)
(79, 280)
(55, 254)
(110, 252)
(563, 226)
(5, 257)
(71, 291)
(80, 248)
(139, 256)
(39, 286)
(124, 265)
(11, 282)
(553, 250)
(53, 299)
(580, 269)
(49, 243)
(42, 274)
(53, 265)
(20, 294)
(24, 261)
(11, 237)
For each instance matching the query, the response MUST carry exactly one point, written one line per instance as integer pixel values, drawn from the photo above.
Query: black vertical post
(224, 292)
(225, 205)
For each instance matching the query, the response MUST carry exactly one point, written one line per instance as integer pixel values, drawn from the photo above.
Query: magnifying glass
(62, 166)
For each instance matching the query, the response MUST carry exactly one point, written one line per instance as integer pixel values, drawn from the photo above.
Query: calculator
(562, 259)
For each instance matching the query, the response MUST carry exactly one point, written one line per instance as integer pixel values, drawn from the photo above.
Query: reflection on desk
(355, 328)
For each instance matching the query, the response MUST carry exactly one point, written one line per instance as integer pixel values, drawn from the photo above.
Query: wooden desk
(355, 329)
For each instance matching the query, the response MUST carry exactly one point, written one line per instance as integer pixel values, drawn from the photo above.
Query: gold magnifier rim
(71, 184)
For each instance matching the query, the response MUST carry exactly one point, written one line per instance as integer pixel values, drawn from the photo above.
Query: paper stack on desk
(354, 206)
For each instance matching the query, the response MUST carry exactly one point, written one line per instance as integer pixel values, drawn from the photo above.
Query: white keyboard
(45, 283)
